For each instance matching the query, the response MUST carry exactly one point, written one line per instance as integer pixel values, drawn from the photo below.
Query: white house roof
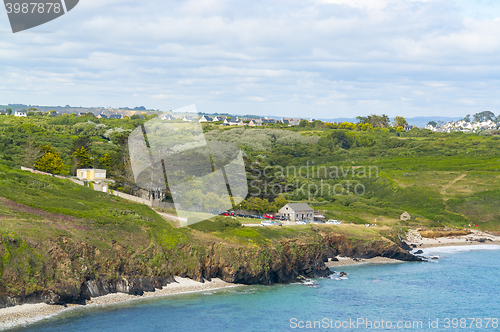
(299, 206)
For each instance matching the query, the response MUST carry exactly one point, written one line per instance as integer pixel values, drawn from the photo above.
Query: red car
(268, 216)
(228, 213)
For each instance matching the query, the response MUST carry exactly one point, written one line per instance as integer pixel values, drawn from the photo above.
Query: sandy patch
(476, 237)
(25, 314)
(345, 261)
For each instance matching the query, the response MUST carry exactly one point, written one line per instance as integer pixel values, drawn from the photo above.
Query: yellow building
(91, 174)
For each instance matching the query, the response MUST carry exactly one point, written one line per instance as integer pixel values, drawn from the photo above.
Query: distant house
(297, 211)
(290, 121)
(101, 116)
(268, 121)
(87, 174)
(405, 216)
(115, 116)
(408, 128)
(167, 117)
(235, 122)
(255, 123)
(187, 118)
(21, 113)
(205, 118)
(218, 119)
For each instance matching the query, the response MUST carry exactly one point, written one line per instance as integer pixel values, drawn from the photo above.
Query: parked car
(254, 216)
(267, 223)
(268, 216)
(333, 222)
(300, 222)
(317, 221)
(242, 215)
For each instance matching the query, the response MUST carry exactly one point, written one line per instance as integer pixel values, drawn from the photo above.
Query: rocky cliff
(74, 271)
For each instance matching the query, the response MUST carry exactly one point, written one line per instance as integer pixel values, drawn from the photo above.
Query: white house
(21, 113)
(205, 118)
(187, 118)
(167, 117)
(218, 119)
(234, 122)
(297, 211)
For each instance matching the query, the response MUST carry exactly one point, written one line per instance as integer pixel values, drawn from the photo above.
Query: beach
(25, 314)
(415, 240)
(346, 261)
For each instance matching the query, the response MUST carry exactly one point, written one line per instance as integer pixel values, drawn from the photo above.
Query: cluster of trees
(262, 205)
(482, 116)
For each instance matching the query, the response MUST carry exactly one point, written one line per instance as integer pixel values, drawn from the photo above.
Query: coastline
(26, 314)
(23, 315)
(416, 241)
(347, 261)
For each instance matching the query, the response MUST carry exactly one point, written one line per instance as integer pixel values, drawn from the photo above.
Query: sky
(318, 58)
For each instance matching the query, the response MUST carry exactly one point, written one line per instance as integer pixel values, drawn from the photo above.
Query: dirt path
(443, 190)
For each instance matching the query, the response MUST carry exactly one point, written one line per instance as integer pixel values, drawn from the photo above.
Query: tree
(364, 126)
(105, 161)
(381, 121)
(81, 141)
(467, 118)
(484, 116)
(50, 162)
(432, 123)
(82, 158)
(347, 125)
(31, 153)
(399, 121)
(9, 111)
(303, 123)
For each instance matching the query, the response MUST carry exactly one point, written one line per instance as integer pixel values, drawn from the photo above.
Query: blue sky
(320, 58)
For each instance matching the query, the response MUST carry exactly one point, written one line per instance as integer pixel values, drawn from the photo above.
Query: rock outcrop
(73, 272)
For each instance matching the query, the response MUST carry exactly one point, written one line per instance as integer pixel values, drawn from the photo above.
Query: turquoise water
(458, 285)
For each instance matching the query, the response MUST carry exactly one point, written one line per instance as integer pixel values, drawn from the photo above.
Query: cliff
(73, 271)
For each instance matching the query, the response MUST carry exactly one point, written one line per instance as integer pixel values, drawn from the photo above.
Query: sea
(458, 290)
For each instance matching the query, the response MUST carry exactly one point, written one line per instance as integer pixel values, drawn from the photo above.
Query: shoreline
(476, 237)
(27, 314)
(347, 261)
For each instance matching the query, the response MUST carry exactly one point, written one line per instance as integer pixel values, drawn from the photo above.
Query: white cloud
(328, 58)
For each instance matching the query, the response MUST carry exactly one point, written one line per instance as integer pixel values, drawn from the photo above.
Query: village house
(205, 118)
(115, 116)
(21, 113)
(167, 117)
(268, 121)
(290, 121)
(101, 116)
(297, 211)
(255, 123)
(88, 174)
(235, 122)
